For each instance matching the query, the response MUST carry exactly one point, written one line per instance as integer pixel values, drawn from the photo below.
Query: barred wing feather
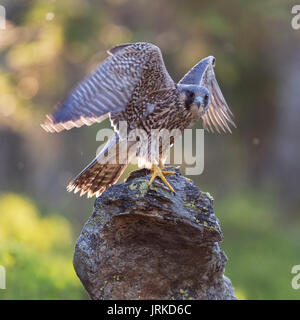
(106, 90)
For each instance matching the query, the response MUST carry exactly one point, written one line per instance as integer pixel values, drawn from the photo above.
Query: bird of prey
(133, 85)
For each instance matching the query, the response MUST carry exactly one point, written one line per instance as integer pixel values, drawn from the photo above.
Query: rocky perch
(144, 242)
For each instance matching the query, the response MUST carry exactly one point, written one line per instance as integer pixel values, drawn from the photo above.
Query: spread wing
(109, 88)
(218, 115)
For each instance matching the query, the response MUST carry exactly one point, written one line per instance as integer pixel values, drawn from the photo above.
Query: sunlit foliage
(261, 247)
(36, 252)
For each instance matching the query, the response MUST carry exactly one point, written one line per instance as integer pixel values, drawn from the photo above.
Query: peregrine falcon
(133, 85)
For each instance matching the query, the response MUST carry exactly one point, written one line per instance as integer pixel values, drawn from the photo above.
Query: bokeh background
(253, 174)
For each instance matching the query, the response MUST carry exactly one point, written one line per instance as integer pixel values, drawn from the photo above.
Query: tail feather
(101, 173)
(96, 179)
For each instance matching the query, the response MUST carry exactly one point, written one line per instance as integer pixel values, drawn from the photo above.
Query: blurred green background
(253, 174)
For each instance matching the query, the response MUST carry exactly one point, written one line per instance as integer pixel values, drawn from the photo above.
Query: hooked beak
(199, 101)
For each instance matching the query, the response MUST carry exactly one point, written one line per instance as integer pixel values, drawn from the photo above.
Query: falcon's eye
(191, 94)
(190, 98)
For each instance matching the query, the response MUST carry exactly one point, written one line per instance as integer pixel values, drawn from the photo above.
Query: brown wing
(109, 88)
(218, 115)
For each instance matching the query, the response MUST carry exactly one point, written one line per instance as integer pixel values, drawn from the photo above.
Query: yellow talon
(189, 180)
(157, 172)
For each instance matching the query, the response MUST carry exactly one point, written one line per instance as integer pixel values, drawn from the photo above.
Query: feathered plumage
(133, 85)
(218, 114)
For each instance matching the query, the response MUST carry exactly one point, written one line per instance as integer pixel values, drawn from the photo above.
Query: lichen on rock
(144, 242)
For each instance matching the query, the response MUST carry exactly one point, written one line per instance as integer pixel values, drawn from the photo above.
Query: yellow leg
(157, 172)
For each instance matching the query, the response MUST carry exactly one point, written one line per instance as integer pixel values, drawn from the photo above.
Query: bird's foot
(188, 180)
(157, 172)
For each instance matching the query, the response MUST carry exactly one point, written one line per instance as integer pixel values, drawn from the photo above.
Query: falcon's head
(195, 98)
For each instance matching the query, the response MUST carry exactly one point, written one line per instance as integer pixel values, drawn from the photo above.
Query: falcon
(133, 85)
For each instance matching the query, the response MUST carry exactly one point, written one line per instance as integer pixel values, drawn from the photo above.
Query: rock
(144, 242)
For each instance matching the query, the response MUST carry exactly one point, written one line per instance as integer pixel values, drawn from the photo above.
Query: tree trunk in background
(286, 162)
